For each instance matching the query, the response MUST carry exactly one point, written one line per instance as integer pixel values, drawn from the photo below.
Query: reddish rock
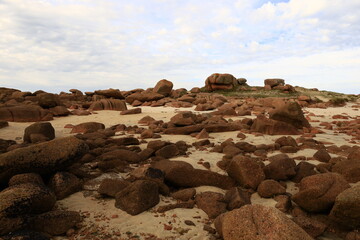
(212, 203)
(168, 151)
(246, 171)
(3, 124)
(108, 104)
(64, 184)
(42, 128)
(313, 227)
(131, 111)
(143, 97)
(183, 119)
(237, 197)
(219, 81)
(110, 93)
(138, 197)
(283, 203)
(270, 188)
(59, 111)
(148, 133)
(280, 168)
(184, 194)
(111, 187)
(26, 178)
(273, 82)
(290, 113)
(48, 100)
(25, 113)
(349, 169)
(163, 87)
(346, 209)
(203, 134)
(317, 193)
(146, 120)
(272, 127)
(286, 141)
(303, 169)
(122, 155)
(125, 141)
(255, 222)
(322, 155)
(87, 127)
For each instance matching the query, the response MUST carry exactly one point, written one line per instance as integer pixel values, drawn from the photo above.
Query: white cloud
(57, 44)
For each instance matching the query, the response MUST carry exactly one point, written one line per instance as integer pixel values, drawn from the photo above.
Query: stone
(26, 178)
(286, 141)
(219, 81)
(269, 188)
(108, 104)
(146, 120)
(143, 97)
(168, 151)
(273, 82)
(42, 158)
(59, 111)
(349, 168)
(313, 227)
(237, 197)
(183, 119)
(303, 169)
(25, 113)
(5, 144)
(346, 209)
(131, 111)
(110, 187)
(26, 235)
(110, 93)
(163, 87)
(48, 100)
(87, 127)
(183, 174)
(121, 154)
(212, 203)
(290, 113)
(272, 127)
(138, 197)
(184, 194)
(64, 184)
(55, 222)
(246, 171)
(322, 155)
(43, 128)
(256, 222)
(280, 169)
(317, 193)
(125, 141)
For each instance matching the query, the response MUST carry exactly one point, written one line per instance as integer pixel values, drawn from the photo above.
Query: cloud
(91, 44)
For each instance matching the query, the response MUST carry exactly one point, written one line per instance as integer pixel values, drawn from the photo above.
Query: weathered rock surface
(219, 81)
(290, 113)
(212, 203)
(272, 127)
(64, 184)
(163, 87)
(87, 127)
(24, 113)
(43, 128)
(108, 104)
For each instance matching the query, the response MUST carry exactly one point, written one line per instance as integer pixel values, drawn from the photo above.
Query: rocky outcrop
(108, 104)
(25, 113)
(218, 81)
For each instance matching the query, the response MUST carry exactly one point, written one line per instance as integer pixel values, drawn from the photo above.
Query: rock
(273, 82)
(48, 100)
(110, 93)
(212, 203)
(280, 168)
(322, 155)
(43, 128)
(26, 178)
(42, 158)
(184, 194)
(246, 171)
(237, 197)
(270, 188)
(283, 203)
(346, 209)
(24, 113)
(111, 187)
(64, 184)
(219, 81)
(303, 169)
(317, 193)
(163, 87)
(349, 168)
(183, 119)
(121, 154)
(168, 151)
(256, 222)
(182, 174)
(125, 141)
(189, 204)
(286, 141)
(5, 144)
(131, 111)
(272, 127)
(108, 104)
(148, 133)
(55, 222)
(290, 113)
(146, 120)
(138, 197)
(59, 111)
(143, 97)
(313, 227)
(87, 127)
(3, 124)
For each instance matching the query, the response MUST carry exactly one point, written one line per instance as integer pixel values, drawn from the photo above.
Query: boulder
(87, 127)
(42, 158)
(59, 111)
(168, 151)
(219, 81)
(237, 197)
(184, 194)
(55, 222)
(246, 171)
(121, 154)
(26, 178)
(108, 104)
(138, 197)
(317, 193)
(131, 111)
(269, 188)
(272, 127)
(25, 113)
(43, 128)
(48, 100)
(163, 87)
(346, 209)
(212, 203)
(322, 155)
(303, 169)
(290, 113)
(273, 82)
(183, 174)
(349, 168)
(110, 93)
(143, 97)
(256, 222)
(280, 168)
(64, 184)
(110, 187)
(3, 124)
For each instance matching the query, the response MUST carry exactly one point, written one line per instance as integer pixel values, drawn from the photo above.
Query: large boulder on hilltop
(290, 113)
(273, 82)
(48, 100)
(346, 209)
(110, 93)
(25, 113)
(143, 97)
(108, 104)
(268, 126)
(163, 87)
(45, 129)
(218, 81)
(256, 222)
(317, 193)
(42, 158)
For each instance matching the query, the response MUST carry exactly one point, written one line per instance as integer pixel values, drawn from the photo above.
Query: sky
(57, 45)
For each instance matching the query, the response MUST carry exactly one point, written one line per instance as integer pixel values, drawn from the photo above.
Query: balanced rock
(163, 87)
